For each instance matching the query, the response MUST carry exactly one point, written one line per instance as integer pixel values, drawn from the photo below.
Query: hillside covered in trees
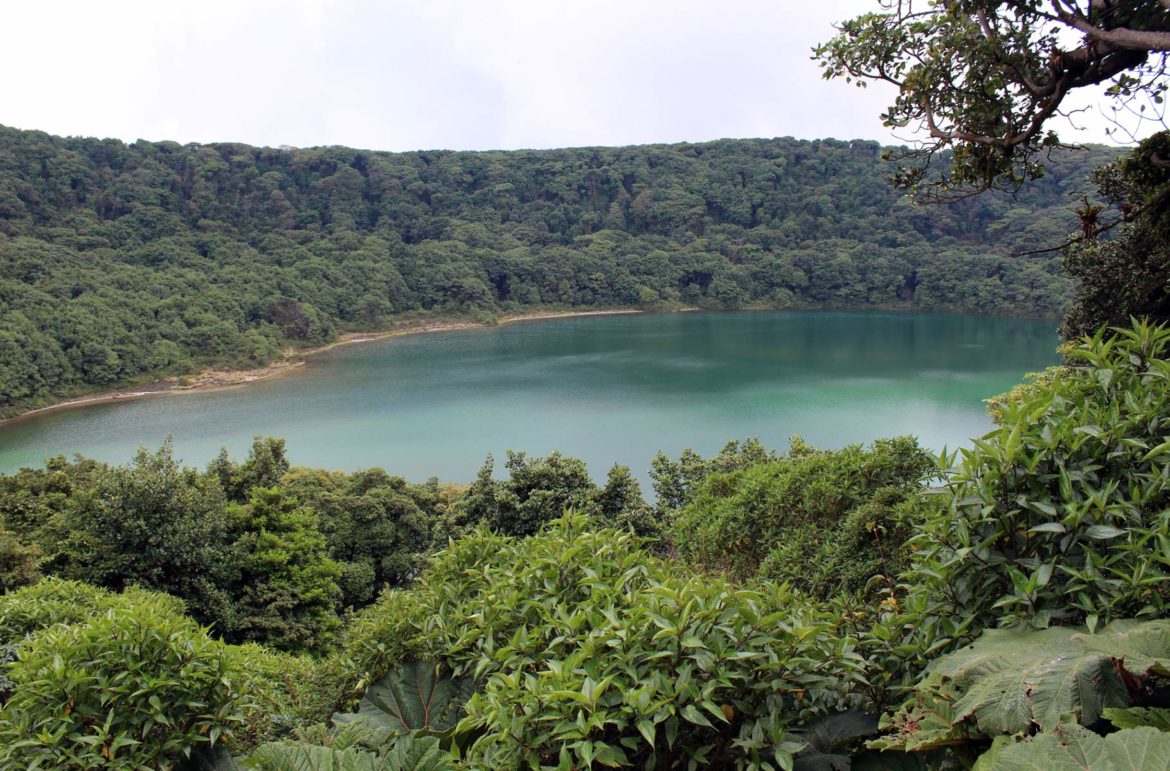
(121, 262)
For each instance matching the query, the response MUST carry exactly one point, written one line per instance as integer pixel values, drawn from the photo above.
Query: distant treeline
(123, 261)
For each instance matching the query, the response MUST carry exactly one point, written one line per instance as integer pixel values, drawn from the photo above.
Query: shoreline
(214, 379)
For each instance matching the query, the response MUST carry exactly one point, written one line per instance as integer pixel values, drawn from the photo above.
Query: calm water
(604, 389)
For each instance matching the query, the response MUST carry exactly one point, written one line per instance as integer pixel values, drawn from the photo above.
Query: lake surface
(605, 389)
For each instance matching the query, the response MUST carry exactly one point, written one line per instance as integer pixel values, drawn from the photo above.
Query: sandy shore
(210, 379)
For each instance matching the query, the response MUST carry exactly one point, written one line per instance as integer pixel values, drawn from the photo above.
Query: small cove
(605, 389)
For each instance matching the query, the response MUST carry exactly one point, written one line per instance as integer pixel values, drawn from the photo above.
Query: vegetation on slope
(122, 261)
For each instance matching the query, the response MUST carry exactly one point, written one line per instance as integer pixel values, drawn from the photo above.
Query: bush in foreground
(589, 650)
(808, 517)
(1061, 514)
(125, 680)
(137, 687)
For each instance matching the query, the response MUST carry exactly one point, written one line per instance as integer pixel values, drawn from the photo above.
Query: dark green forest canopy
(121, 262)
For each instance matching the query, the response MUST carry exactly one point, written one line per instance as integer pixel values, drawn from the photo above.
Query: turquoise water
(605, 389)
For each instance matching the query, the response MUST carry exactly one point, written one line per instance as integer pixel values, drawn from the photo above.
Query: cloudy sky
(423, 74)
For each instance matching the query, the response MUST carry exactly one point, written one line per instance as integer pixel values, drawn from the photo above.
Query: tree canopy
(984, 77)
(126, 262)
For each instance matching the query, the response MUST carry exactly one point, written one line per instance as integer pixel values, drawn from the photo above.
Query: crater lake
(606, 389)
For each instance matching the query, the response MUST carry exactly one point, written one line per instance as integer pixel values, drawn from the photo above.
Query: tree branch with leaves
(984, 78)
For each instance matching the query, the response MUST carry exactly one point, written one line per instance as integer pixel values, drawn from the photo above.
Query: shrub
(797, 506)
(1061, 513)
(154, 524)
(56, 601)
(133, 687)
(280, 692)
(591, 650)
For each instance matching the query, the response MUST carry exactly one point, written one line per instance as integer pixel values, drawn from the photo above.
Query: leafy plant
(131, 688)
(779, 513)
(416, 696)
(827, 741)
(287, 756)
(409, 752)
(1136, 717)
(1012, 682)
(1060, 515)
(280, 692)
(55, 601)
(1071, 747)
(590, 651)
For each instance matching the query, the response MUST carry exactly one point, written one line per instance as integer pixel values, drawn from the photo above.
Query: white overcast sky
(424, 74)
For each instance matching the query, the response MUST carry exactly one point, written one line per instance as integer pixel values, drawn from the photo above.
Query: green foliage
(414, 696)
(286, 756)
(287, 582)
(1019, 681)
(540, 490)
(828, 740)
(1126, 275)
(1072, 747)
(18, 561)
(590, 650)
(1060, 514)
(536, 492)
(378, 527)
(415, 752)
(154, 524)
(280, 692)
(620, 504)
(676, 483)
(133, 687)
(1137, 717)
(771, 516)
(411, 752)
(265, 467)
(268, 565)
(983, 77)
(127, 262)
(54, 601)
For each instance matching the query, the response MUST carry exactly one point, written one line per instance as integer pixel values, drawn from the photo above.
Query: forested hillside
(123, 261)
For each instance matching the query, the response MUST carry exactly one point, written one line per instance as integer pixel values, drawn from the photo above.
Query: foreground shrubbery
(106, 680)
(1062, 514)
(811, 517)
(590, 649)
(137, 685)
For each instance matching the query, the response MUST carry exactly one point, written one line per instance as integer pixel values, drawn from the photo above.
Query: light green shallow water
(605, 389)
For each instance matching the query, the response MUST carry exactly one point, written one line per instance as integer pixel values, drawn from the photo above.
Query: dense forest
(122, 262)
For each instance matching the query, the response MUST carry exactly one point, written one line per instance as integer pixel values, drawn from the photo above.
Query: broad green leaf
(1137, 717)
(1072, 747)
(416, 696)
(416, 752)
(286, 756)
(1015, 681)
(1103, 532)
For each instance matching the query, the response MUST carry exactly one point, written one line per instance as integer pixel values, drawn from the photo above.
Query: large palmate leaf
(1137, 717)
(417, 696)
(286, 756)
(1017, 681)
(415, 752)
(1072, 746)
(826, 741)
(410, 752)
